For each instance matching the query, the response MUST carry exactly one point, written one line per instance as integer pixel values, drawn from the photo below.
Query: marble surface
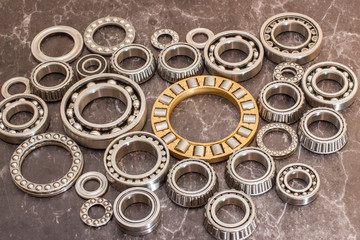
(334, 215)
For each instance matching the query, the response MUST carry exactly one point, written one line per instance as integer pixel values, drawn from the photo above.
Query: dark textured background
(334, 215)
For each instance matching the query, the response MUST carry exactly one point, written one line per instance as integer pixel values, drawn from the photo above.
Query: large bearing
(292, 68)
(295, 196)
(132, 196)
(12, 81)
(101, 190)
(68, 57)
(191, 199)
(173, 74)
(321, 145)
(214, 151)
(53, 93)
(139, 75)
(106, 21)
(228, 231)
(295, 22)
(334, 71)
(47, 189)
(288, 115)
(250, 186)
(13, 133)
(137, 141)
(191, 34)
(155, 38)
(99, 136)
(237, 71)
(91, 60)
(84, 212)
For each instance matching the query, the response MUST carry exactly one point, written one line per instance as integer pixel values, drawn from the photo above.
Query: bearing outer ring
(101, 190)
(291, 67)
(88, 59)
(154, 38)
(190, 37)
(84, 212)
(15, 80)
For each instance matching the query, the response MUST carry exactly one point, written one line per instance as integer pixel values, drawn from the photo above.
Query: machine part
(12, 81)
(101, 190)
(91, 60)
(155, 42)
(288, 67)
(84, 212)
(198, 31)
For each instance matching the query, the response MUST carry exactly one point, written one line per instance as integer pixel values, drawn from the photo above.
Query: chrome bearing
(154, 38)
(173, 74)
(237, 71)
(53, 93)
(100, 178)
(278, 127)
(137, 141)
(132, 196)
(108, 21)
(68, 57)
(321, 145)
(139, 75)
(84, 212)
(288, 67)
(238, 230)
(334, 71)
(295, 196)
(99, 136)
(13, 133)
(16, 80)
(252, 187)
(198, 31)
(288, 115)
(91, 60)
(191, 199)
(294, 22)
(47, 189)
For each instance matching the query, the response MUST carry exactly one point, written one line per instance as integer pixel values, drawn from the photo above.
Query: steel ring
(68, 57)
(155, 42)
(295, 196)
(191, 199)
(46, 189)
(322, 145)
(91, 60)
(334, 71)
(294, 22)
(238, 230)
(141, 74)
(252, 187)
(12, 81)
(105, 84)
(13, 133)
(237, 71)
(288, 67)
(137, 195)
(278, 127)
(289, 115)
(101, 190)
(198, 31)
(84, 212)
(106, 21)
(173, 74)
(214, 151)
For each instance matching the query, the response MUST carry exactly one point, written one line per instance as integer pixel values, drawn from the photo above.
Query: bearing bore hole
(200, 38)
(233, 55)
(137, 211)
(230, 214)
(329, 85)
(288, 73)
(250, 170)
(96, 211)
(132, 63)
(297, 183)
(91, 185)
(56, 45)
(109, 35)
(192, 181)
(323, 129)
(290, 38)
(103, 110)
(16, 88)
(281, 101)
(52, 79)
(164, 38)
(20, 118)
(277, 140)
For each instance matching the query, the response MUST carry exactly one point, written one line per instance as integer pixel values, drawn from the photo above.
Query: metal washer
(154, 38)
(190, 36)
(84, 212)
(91, 60)
(101, 190)
(16, 80)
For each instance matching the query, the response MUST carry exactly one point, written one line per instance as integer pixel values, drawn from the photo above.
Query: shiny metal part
(12, 81)
(155, 38)
(84, 212)
(198, 31)
(91, 60)
(292, 68)
(101, 190)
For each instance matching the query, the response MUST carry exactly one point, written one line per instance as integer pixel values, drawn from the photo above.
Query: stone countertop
(334, 215)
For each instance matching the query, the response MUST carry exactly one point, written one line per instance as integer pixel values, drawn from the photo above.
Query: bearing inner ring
(89, 63)
(134, 51)
(17, 107)
(298, 174)
(278, 89)
(334, 75)
(49, 68)
(136, 197)
(179, 50)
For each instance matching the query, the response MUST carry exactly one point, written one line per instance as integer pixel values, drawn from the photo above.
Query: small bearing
(227, 231)
(91, 60)
(16, 80)
(198, 31)
(108, 21)
(155, 42)
(288, 67)
(132, 196)
(295, 196)
(249, 186)
(84, 212)
(82, 192)
(173, 74)
(139, 75)
(321, 145)
(272, 114)
(191, 199)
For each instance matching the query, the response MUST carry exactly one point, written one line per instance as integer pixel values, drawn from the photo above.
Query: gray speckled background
(334, 215)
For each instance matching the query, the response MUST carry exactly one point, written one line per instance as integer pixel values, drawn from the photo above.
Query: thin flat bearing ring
(84, 212)
(214, 151)
(101, 190)
(155, 42)
(91, 60)
(16, 80)
(198, 31)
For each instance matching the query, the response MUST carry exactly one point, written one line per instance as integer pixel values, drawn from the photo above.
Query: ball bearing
(12, 81)
(155, 38)
(198, 31)
(288, 67)
(91, 60)
(101, 190)
(84, 212)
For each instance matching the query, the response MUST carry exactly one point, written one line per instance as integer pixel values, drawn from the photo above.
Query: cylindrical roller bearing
(99, 136)
(14, 104)
(294, 22)
(252, 187)
(191, 199)
(141, 74)
(89, 60)
(53, 93)
(198, 31)
(213, 151)
(84, 212)
(101, 190)
(322, 145)
(335, 71)
(108, 21)
(155, 38)
(137, 195)
(227, 231)
(237, 40)
(293, 195)
(12, 81)
(173, 74)
(292, 68)
(137, 141)
(288, 115)
(46, 189)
